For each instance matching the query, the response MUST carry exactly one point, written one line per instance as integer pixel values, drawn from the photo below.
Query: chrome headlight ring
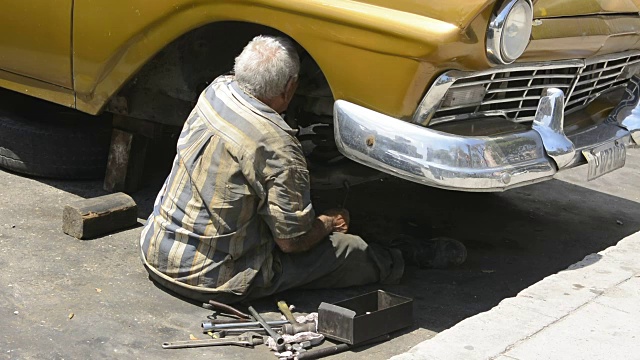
(509, 31)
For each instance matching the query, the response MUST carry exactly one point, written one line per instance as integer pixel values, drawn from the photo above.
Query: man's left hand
(340, 220)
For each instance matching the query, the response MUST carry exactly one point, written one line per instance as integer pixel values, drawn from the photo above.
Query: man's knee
(347, 244)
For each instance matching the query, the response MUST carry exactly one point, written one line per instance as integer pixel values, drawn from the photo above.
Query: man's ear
(290, 89)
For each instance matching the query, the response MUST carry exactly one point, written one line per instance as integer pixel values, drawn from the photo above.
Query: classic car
(471, 95)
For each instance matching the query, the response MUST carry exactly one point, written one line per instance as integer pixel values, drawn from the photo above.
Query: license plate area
(605, 159)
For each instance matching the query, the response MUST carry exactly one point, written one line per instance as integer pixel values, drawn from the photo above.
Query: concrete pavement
(515, 240)
(589, 311)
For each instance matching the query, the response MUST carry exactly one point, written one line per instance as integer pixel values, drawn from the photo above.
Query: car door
(35, 39)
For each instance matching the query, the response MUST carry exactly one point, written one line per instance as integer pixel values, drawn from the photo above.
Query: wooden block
(90, 218)
(126, 162)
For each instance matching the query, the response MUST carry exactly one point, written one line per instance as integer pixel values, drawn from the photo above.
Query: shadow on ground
(514, 239)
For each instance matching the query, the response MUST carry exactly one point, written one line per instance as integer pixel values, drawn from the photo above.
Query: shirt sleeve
(288, 211)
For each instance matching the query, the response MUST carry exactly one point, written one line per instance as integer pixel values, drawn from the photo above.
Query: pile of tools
(288, 338)
(359, 321)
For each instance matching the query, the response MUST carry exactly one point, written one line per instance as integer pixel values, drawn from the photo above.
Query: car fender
(113, 39)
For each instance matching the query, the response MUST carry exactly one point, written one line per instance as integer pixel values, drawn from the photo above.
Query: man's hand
(334, 220)
(340, 220)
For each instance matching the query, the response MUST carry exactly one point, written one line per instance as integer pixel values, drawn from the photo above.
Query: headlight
(509, 31)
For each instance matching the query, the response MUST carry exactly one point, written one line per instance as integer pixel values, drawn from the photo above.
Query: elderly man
(234, 219)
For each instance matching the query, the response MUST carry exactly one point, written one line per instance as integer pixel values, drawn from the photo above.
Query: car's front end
(561, 88)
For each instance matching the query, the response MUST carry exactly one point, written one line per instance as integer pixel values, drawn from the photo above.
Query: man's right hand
(334, 220)
(340, 219)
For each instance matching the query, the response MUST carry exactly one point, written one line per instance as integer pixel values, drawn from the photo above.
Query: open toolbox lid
(365, 317)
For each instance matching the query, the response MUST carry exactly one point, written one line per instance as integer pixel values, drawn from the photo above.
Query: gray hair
(266, 65)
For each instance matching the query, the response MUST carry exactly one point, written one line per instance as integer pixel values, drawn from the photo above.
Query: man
(234, 219)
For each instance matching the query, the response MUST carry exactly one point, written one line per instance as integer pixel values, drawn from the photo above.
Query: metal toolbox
(365, 317)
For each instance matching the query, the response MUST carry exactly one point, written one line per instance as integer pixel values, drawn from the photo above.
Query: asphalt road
(514, 239)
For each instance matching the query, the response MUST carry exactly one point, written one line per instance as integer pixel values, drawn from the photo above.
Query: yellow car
(472, 95)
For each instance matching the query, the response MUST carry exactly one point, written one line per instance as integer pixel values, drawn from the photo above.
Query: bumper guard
(483, 163)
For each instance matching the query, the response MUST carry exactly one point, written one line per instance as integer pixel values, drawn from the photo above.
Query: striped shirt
(239, 179)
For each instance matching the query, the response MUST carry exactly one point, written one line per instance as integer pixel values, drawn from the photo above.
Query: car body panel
(582, 37)
(403, 44)
(114, 38)
(379, 58)
(564, 8)
(35, 40)
(458, 13)
(38, 89)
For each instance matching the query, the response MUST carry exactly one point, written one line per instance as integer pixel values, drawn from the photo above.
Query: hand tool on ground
(311, 338)
(284, 308)
(227, 320)
(332, 350)
(278, 339)
(292, 329)
(227, 309)
(238, 331)
(249, 339)
(210, 326)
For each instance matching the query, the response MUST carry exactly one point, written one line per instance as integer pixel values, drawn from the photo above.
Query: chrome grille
(514, 92)
(598, 77)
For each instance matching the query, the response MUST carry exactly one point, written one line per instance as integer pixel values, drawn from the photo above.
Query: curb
(491, 334)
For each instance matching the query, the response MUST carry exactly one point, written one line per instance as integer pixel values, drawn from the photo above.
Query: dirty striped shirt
(239, 179)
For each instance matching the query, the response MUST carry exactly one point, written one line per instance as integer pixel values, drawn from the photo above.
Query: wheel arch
(107, 55)
(96, 88)
(166, 88)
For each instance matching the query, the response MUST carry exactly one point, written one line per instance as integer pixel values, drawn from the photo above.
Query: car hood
(565, 8)
(462, 12)
(456, 12)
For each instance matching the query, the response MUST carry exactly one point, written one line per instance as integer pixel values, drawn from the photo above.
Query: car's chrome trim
(436, 93)
(549, 123)
(431, 102)
(627, 113)
(478, 163)
(495, 29)
(577, 84)
(439, 159)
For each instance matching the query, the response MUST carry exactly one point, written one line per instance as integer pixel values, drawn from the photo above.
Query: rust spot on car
(370, 141)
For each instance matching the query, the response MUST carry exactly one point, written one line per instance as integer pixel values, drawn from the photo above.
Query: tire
(74, 147)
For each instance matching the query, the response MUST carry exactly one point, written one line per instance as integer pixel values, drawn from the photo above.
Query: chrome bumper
(487, 163)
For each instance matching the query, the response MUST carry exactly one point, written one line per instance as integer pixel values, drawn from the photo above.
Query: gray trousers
(342, 260)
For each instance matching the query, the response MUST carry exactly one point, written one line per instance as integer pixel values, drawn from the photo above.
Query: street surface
(588, 311)
(62, 298)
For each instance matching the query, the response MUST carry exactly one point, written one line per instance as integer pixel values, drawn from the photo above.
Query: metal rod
(228, 320)
(240, 331)
(208, 325)
(332, 350)
(278, 339)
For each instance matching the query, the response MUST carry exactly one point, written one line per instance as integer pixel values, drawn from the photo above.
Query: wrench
(347, 187)
(237, 331)
(209, 325)
(248, 339)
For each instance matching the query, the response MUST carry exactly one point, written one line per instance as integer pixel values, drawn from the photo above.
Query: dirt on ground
(62, 298)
